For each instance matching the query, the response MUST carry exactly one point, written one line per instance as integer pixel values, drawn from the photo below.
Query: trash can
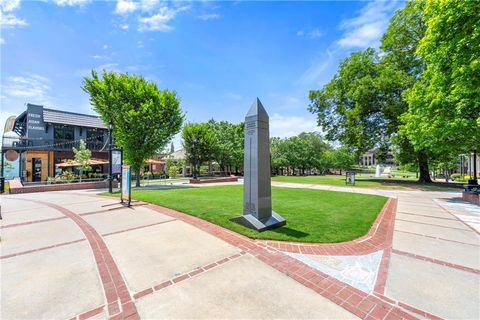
(2, 184)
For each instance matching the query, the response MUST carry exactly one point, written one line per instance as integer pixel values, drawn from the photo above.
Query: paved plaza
(76, 255)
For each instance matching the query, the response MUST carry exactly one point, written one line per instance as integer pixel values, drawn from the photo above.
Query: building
(38, 143)
(369, 159)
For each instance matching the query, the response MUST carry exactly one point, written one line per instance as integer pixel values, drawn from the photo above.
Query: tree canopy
(444, 105)
(363, 103)
(144, 118)
(198, 141)
(229, 143)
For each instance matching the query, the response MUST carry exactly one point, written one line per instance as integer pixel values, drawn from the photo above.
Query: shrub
(172, 171)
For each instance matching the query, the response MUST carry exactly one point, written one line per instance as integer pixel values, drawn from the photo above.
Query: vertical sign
(350, 177)
(126, 185)
(116, 161)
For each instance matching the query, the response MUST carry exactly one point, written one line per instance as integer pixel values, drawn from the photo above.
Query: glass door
(37, 169)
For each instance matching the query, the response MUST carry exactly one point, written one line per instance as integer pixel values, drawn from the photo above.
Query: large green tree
(144, 118)
(198, 140)
(228, 146)
(444, 105)
(363, 103)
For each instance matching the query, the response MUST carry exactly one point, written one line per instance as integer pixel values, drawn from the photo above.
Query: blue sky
(218, 56)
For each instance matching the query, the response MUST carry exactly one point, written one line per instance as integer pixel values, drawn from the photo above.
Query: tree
(228, 145)
(198, 142)
(82, 157)
(444, 105)
(144, 118)
(301, 152)
(362, 105)
(277, 154)
(343, 159)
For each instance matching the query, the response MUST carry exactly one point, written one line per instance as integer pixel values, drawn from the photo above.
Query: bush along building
(38, 143)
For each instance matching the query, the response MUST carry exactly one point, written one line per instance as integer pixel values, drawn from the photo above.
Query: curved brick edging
(363, 305)
(119, 302)
(379, 237)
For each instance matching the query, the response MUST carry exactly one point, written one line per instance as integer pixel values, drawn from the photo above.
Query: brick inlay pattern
(119, 302)
(185, 276)
(376, 238)
(432, 260)
(359, 303)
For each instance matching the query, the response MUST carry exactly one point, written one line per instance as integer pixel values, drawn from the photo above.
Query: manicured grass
(365, 181)
(312, 215)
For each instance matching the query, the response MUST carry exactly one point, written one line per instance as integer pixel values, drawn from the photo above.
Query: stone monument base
(250, 221)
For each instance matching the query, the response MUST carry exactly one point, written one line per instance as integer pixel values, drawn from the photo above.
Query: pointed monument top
(257, 109)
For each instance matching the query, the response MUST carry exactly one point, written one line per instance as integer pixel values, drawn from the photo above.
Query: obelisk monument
(257, 193)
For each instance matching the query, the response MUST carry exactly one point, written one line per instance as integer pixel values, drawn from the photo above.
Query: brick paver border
(119, 302)
(377, 238)
(361, 304)
(120, 305)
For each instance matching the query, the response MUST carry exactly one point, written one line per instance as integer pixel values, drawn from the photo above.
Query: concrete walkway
(71, 255)
(434, 265)
(75, 255)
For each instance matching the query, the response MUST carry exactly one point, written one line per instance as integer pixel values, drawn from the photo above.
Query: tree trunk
(137, 178)
(422, 158)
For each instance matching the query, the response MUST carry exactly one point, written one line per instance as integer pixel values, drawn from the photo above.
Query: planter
(214, 180)
(19, 188)
(471, 197)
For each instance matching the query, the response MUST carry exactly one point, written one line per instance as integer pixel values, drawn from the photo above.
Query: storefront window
(63, 133)
(95, 135)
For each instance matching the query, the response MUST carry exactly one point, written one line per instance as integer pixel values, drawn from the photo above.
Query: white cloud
(70, 3)
(7, 18)
(366, 29)
(2, 41)
(100, 57)
(362, 31)
(152, 15)
(312, 34)
(124, 7)
(9, 5)
(288, 126)
(208, 16)
(160, 20)
(31, 88)
(106, 46)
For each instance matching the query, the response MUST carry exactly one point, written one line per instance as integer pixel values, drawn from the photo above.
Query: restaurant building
(38, 143)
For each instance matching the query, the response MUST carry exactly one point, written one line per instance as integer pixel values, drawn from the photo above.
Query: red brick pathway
(119, 302)
(120, 305)
(365, 306)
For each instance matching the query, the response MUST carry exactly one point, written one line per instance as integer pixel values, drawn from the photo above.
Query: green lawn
(312, 215)
(365, 181)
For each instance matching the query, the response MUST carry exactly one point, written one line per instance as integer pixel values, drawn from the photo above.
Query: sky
(217, 56)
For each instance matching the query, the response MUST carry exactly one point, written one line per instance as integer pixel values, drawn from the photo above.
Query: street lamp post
(110, 176)
(195, 142)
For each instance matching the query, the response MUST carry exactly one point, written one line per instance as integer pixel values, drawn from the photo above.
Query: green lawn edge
(313, 216)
